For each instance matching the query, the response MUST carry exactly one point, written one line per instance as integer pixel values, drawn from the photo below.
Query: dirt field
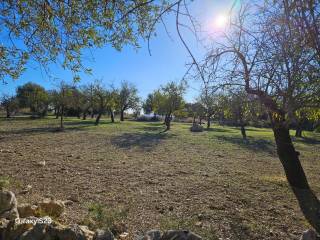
(211, 182)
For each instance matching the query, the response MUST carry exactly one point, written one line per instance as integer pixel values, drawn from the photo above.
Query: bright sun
(221, 21)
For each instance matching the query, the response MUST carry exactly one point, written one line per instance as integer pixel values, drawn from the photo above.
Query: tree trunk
(243, 129)
(8, 112)
(84, 116)
(243, 132)
(299, 131)
(168, 122)
(299, 128)
(112, 116)
(61, 118)
(122, 115)
(92, 114)
(98, 118)
(208, 122)
(289, 158)
(57, 112)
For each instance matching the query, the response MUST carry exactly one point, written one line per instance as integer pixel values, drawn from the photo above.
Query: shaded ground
(211, 182)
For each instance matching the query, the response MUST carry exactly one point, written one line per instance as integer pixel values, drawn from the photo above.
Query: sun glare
(221, 21)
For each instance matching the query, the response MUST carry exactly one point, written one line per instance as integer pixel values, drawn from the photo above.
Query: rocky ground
(209, 182)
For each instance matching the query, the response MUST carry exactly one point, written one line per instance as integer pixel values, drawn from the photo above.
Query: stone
(196, 128)
(3, 227)
(199, 224)
(73, 232)
(27, 210)
(124, 236)
(16, 228)
(103, 235)
(87, 232)
(8, 205)
(38, 232)
(180, 235)
(152, 235)
(41, 163)
(51, 207)
(309, 235)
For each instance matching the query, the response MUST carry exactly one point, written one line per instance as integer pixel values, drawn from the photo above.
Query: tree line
(232, 107)
(93, 100)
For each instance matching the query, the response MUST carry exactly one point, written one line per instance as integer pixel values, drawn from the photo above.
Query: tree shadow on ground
(40, 130)
(213, 129)
(145, 141)
(306, 140)
(91, 122)
(251, 144)
(156, 128)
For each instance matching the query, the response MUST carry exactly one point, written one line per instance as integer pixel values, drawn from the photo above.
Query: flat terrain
(210, 182)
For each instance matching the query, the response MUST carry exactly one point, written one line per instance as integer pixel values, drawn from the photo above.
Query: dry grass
(211, 182)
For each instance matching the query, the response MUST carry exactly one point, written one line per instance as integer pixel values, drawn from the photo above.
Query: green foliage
(33, 96)
(4, 183)
(128, 96)
(100, 216)
(168, 100)
(195, 110)
(148, 104)
(58, 31)
(10, 104)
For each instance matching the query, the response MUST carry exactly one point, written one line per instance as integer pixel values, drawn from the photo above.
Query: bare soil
(211, 182)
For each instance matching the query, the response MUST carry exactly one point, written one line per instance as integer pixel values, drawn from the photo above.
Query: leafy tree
(195, 110)
(101, 100)
(276, 61)
(105, 101)
(10, 104)
(208, 100)
(57, 31)
(63, 97)
(303, 116)
(168, 101)
(128, 98)
(54, 102)
(148, 104)
(87, 101)
(238, 108)
(33, 96)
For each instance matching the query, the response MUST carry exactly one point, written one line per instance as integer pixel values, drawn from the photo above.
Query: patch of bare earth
(214, 188)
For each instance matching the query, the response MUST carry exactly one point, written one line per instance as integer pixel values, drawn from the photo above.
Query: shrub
(100, 216)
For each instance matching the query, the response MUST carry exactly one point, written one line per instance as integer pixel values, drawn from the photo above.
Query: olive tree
(268, 54)
(128, 98)
(10, 104)
(168, 101)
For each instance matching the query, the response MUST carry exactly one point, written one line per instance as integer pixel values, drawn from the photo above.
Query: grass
(210, 182)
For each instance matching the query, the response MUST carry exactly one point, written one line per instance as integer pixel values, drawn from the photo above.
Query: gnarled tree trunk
(98, 118)
(289, 158)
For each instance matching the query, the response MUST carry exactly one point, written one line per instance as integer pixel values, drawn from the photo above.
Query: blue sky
(167, 62)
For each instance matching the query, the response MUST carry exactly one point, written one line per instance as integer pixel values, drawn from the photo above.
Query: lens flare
(221, 21)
